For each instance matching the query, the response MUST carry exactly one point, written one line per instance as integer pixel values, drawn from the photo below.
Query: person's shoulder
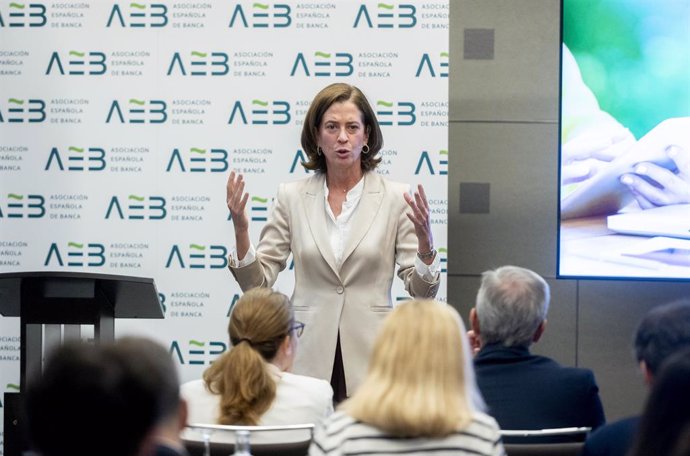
(613, 438)
(295, 189)
(582, 373)
(340, 426)
(315, 178)
(484, 424)
(331, 434)
(577, 380)
(310, 384)
(339, 419)
(389, 185)
(392, 191)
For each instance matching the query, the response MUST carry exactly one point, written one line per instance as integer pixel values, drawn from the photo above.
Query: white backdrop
(119, 122)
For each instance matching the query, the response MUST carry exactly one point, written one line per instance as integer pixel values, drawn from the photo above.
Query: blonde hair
(259, 323)
(417, 384)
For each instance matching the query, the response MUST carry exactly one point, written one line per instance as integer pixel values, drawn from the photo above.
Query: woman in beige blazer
(346, 228)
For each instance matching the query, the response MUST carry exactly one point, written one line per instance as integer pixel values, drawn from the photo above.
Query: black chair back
(543, 449)
(196, 448)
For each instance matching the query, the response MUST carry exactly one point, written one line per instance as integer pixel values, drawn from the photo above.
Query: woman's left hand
(421, 221)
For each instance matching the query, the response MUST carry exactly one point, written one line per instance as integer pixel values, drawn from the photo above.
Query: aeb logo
(387, 16)
(262, 112)
(261, 15)
(136, 207)
(436, 67)
(23, 206)
(19, 111)
(138, 111)
(76, 254)
(24, 15)
(137, 15)
(76, 159)
(199, 64)
(425, 163)
(259, 209)
(198, 160)
(197, 256)
(401, 113)
(78, 63)
(300, 157)
(233, 301)
(197, 352)
(323, 64)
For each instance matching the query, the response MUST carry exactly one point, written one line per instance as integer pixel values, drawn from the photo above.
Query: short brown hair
(338, 93)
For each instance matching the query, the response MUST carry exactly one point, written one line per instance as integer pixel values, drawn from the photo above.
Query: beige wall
(504, 132)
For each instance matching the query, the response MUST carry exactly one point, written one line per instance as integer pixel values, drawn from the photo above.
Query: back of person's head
(512, 302)
(662, 332)
(420, 380)
(99, 399)
(666, 417)
(260, 322)
(151, 363)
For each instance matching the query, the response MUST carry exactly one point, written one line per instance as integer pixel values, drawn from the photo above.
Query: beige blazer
(352, 299)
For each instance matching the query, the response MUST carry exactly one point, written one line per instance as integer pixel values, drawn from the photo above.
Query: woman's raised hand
(236, 199)
(421, 221)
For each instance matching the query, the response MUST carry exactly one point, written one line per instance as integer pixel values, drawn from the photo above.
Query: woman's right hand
(236, 199)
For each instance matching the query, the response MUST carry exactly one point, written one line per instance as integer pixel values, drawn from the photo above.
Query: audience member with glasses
(251, 383)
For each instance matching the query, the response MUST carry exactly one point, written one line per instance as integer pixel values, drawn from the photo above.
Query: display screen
(625, 140)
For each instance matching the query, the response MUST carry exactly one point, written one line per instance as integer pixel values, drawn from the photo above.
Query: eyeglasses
(298, 328)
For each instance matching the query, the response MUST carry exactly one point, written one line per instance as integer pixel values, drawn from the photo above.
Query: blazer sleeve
(273, 250)
(405, 252)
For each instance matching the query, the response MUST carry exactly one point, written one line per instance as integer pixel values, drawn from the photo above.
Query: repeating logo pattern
(121, 120)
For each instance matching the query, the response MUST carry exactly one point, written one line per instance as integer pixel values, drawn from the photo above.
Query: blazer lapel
(317, 219)
(365, 214)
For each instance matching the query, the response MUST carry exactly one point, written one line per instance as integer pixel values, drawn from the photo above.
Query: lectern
(46, 302)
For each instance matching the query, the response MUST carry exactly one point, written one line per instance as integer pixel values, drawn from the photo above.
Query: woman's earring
(365, 149)
(319, 151)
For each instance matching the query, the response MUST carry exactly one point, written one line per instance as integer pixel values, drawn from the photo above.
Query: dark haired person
(346, 227)
(665, 423)
(153, 360)
(118, 399)
(664, 331)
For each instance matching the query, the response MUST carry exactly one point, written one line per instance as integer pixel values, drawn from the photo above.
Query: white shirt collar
(354, 193)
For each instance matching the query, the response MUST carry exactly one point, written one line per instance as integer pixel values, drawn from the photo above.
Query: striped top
(342, 435)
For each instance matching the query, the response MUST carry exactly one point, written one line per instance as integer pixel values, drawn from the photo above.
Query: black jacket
(525, 391)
